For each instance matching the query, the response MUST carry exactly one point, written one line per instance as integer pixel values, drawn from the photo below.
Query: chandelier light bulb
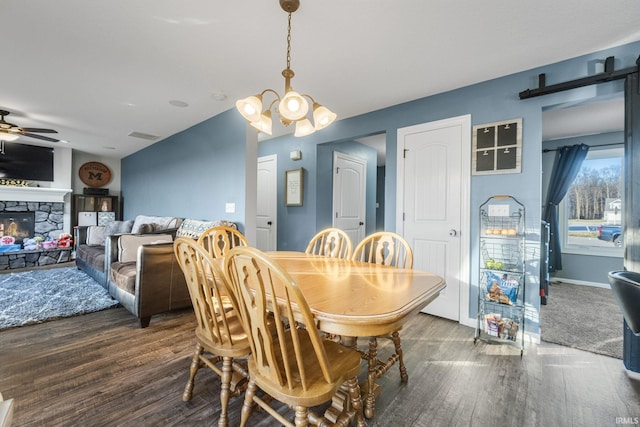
(250, 107)
(293, 106)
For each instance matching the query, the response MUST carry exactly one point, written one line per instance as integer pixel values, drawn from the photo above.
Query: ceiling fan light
(265, 123)
(322, 116)
(293, 106)
(250, 107)
(7, 136)
(304, 128)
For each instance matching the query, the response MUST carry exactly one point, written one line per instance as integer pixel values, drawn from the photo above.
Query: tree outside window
(592, 208)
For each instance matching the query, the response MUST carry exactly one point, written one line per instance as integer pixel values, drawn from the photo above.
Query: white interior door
(434, 205)
(267, 205)
(349, 195)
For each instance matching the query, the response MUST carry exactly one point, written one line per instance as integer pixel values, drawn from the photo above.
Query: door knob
(269, 222)
(361, 223)
(453, 233)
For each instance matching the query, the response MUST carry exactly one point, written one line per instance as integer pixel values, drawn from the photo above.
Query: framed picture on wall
(497, 147)
(294, 187)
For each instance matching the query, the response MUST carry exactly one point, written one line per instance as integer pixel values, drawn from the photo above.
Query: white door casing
(433, 207)
(267, 204)
(350, 195)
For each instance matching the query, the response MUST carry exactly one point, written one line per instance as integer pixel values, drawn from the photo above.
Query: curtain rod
(546, 150)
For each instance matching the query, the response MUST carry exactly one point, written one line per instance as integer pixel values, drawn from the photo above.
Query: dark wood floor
(101, 370)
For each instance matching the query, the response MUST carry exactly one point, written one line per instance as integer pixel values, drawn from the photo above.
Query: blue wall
(196, 171)
(191, 174)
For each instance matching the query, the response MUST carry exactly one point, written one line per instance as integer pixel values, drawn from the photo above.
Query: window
(591, 212)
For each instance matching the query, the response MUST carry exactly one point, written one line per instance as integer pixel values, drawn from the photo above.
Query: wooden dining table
(356, 299)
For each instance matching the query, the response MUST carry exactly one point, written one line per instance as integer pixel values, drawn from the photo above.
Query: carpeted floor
(583, 317)
(46, 294)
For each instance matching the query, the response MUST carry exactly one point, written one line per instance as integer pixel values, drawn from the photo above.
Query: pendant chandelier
(293, 106)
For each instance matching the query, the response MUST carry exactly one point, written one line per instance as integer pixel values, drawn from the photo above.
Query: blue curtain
(565, 169)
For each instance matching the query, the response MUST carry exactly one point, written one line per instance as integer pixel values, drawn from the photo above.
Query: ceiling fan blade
(45, 138)
(39, 130)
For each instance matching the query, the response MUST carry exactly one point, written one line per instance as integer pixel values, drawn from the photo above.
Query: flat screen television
(28, 162)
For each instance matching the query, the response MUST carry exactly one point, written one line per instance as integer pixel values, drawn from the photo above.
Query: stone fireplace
(47, 213)
(46, 219)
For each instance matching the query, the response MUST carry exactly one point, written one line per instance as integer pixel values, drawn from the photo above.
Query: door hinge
(403, 216)
(404, 153)
(336, 214)
(337, 169)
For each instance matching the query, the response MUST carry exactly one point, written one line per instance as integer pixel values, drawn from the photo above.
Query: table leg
(341, 402)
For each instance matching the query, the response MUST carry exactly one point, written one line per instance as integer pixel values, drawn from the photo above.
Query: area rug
(41, 295)
(583, 317)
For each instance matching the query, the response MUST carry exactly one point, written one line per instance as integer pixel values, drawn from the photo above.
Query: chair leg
(356, 400)
(302, 416)
(225, 386)
(248, 403)
(195, 365)
(404, 377)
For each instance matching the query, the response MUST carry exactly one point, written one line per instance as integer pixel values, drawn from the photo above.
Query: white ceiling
(98, 70)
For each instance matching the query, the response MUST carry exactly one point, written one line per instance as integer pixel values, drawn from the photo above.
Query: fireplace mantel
(33, 194)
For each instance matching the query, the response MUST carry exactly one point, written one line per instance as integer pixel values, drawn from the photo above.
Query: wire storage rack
(501, 282)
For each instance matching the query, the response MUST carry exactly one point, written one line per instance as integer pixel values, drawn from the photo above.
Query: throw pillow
(117, 227)
(194, 228)
(159, 222)
(147, 228)
(128, 244)
(95, 235)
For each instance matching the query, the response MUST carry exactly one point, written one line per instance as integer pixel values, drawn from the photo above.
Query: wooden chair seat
(338, 357)
(232, 345)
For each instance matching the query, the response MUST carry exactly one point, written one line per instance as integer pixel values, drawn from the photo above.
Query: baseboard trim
(580, 282)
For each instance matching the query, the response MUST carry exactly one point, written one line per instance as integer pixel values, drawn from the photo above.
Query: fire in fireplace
(19, 225)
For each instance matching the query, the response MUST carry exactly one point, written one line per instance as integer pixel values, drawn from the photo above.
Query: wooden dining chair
(392, 250)
(384, 248)
(218, 330)
(293, 365)
(219, 240)
(331, 242)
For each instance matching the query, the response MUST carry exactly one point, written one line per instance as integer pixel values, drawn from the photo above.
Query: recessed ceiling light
(178, 103)
(109, 148)
(219, 96)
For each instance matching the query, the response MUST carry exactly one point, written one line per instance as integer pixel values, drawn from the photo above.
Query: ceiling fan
(11, 132)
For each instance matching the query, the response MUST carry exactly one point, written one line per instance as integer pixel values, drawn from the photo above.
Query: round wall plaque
(95, 174)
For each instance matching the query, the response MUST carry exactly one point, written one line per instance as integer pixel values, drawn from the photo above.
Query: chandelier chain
(289, 43)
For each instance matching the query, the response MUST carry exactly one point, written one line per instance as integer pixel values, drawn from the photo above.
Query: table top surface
(359, 299)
